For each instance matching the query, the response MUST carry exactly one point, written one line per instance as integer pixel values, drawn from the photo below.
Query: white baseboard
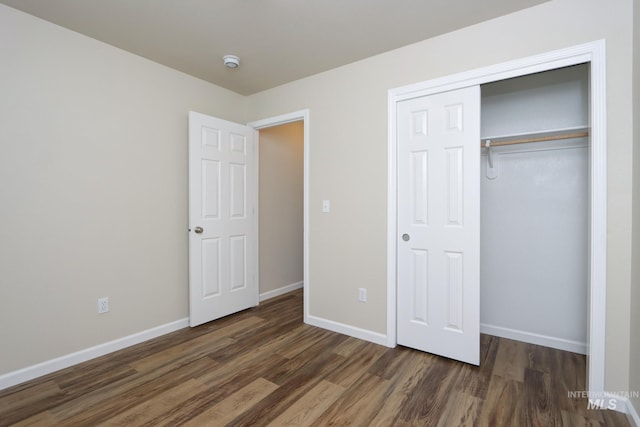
(622, 404)
(632, 414)
(612, 401)
(352, 331)
(16, 377)
(547, 341)
(283, 290)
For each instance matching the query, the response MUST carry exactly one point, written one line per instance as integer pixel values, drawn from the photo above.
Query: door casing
(592, 53)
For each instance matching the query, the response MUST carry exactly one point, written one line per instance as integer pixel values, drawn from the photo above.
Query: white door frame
(281, 120)
(592, 53)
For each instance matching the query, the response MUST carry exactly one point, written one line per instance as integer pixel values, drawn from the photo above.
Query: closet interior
(534, 271)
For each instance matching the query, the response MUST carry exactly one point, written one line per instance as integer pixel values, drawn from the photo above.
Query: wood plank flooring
(264, 367)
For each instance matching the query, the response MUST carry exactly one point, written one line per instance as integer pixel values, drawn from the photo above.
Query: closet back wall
(534, 214)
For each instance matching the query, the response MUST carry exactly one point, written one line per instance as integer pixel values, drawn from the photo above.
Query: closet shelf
(526, 138)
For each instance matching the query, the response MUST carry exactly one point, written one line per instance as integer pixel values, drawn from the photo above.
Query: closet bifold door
(438, 235)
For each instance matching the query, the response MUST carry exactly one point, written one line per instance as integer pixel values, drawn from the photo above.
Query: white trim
(521, 67)
(280, 291)
(618, 402)
(593, 53)
(256, 209)
(632, 413)
(623, 404)
(598, 226)
(352, 331)
(392, 220)
(532, 338)
(281, 120)
(16, 377)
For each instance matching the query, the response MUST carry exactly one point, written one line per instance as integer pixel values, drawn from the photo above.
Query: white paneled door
(222, 226)
(439, 224)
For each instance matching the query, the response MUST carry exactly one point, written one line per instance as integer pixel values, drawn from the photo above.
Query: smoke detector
(231, 61)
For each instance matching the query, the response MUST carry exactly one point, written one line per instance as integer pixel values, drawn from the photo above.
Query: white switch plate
(103, 305)
(325, 206)
(362, 294)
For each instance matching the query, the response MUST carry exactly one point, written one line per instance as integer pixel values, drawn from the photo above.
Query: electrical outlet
(103, 305)
(362, 294)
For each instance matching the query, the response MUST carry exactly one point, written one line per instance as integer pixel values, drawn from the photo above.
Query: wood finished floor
(265, 367)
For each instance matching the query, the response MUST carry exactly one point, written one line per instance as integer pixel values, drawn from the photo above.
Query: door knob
(199, 230)
(405, 237)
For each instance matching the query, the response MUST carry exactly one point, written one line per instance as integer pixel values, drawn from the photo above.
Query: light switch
(325, 206)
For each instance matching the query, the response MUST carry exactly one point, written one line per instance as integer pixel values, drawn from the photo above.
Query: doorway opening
(292, 132)
(281, 203)
(592, 54)
(534, 208)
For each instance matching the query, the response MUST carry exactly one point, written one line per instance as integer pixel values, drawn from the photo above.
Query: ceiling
(278, 41)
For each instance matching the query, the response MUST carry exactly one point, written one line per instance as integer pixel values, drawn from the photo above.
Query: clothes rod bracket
(487, 145)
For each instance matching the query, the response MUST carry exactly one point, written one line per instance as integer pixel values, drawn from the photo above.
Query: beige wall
(348, 146)
(634, 366)
(93, 189)
(281, 205)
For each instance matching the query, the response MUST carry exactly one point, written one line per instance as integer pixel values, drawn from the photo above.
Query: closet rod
(536, 139)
